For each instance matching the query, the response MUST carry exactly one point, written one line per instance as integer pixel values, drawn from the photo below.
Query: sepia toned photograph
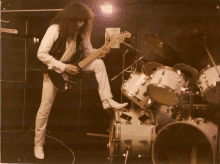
(110, 81)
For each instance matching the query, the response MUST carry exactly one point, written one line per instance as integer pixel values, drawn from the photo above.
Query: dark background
(179, 24)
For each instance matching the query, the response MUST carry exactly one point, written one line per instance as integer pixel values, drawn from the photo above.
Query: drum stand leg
(191, 107)
(194, 154)
(127, 153)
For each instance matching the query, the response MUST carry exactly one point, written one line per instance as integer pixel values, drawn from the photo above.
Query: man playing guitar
(68, 33)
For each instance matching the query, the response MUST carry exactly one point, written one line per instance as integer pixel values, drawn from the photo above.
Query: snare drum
(165, 85)
(131, 131)
(207, 83)
(135, 89)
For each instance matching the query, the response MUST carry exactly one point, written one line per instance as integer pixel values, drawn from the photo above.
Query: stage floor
(86, 149)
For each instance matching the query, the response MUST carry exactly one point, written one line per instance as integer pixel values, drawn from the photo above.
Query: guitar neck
(99, 52)
(93, 56)
(90, 58)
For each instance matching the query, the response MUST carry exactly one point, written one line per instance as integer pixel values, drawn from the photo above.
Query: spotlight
(107, 9)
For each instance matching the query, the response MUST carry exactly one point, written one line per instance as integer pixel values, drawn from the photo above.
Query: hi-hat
(191, 73)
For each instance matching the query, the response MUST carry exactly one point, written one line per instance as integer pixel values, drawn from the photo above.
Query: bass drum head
(185, 142)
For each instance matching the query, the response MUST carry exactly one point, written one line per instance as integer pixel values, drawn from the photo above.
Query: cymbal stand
(190, 101)
(191, 105)
(213, 62)
(130, 66)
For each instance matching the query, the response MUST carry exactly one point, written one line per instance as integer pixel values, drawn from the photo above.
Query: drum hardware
(131, 65)
(199, 120)
(143, 118)
(127, 153)
(116, 122)
(126, 123)
(126, 117)
(125, 141)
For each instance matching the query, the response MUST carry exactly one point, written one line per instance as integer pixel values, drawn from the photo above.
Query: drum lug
(207, 83)
(199, 120)
(143, 141)
(116, 140)
(116, 122)
(128, 140)
(159, 80)
(119, 140)
(137, 91)
(145, 94)
(127, 123)
(144, 82)
(164, 71)
(204, 75)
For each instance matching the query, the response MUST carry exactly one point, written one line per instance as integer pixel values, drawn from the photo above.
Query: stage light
(107, 9)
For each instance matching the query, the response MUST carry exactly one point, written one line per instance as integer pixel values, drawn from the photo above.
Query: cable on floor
(20, 139)
(65, 146)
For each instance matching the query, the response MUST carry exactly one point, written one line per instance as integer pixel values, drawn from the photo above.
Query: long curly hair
(67, 20)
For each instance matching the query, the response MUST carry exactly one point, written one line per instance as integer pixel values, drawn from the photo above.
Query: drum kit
(169, 118)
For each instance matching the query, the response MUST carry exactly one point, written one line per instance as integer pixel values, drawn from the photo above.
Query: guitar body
(63, 81)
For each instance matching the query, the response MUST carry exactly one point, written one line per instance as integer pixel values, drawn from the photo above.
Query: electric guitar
(64, 81)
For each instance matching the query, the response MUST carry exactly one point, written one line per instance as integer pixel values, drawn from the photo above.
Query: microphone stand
(123, 69)
(130, 65)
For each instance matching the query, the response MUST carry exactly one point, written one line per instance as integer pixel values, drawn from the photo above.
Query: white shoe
(111, 104)
(39, 152)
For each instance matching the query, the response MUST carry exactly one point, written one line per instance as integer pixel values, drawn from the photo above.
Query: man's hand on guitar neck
(71, 69)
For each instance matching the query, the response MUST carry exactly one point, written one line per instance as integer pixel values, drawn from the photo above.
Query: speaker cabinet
(13, 59)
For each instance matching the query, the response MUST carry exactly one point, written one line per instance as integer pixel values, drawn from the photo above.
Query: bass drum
(186, 142)
(131, 131)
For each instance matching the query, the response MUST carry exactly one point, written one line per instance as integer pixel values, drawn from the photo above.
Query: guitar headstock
(121, 37)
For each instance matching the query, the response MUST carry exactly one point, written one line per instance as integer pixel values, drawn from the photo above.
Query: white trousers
(49, 93)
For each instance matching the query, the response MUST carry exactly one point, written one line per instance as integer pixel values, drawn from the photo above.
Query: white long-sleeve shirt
(49, 38)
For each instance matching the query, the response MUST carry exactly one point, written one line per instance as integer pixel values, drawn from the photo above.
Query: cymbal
(150, 67)
(158, 46)
(191, 73)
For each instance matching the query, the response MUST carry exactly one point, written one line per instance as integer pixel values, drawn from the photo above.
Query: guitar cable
(80, 105)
